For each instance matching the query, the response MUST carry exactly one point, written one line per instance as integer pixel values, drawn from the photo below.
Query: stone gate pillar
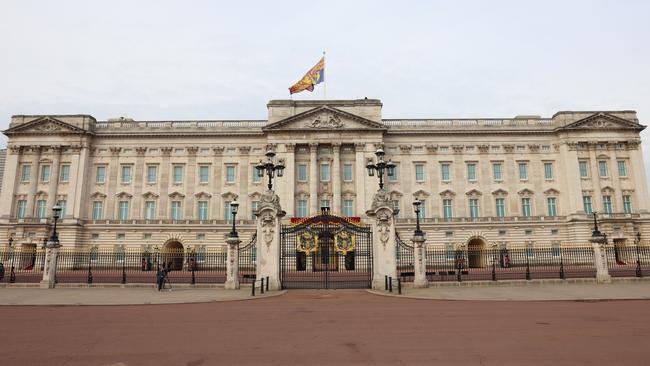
(232, 264)
(49, 269)
(420, 280)
(269, 213)
(383, 239)
(602, 272)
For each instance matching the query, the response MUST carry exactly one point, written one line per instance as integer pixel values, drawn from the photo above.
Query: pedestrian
(2, 271)
(159, 277)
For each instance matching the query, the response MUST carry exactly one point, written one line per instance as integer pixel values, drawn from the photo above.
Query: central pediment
(45, 125)
(324, 118)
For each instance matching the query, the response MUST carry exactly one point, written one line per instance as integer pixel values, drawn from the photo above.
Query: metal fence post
(262, 286)
(562, 275)
(494, 269)
(638, 271)
(386, 282)
(253, 288)
(267, 283)
(399, 286)
(527, 268)
(390, 284)
(123, 271)
(193, 278)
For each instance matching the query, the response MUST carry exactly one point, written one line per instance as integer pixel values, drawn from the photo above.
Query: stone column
(191, 187)
(269, 214)
(289, 182)
(78, 177)
(165, 171)
(313, 179)
(570, 178)
(138, 178)
(232, 264)
(420, 280)
(639, 175)
(33, 180)
(602, 273)
(359, 176)
(217, 182)
(244, 180)
(383, 239)
(49, 269)
(54, 177)
(10, 182)
(336, 179)
(597, 198)
(113, 178)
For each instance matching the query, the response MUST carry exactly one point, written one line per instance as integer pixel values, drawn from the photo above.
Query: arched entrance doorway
(173, 255)
(476, 253)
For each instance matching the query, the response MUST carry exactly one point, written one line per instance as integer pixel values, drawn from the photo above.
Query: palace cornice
(471, 132)
(178, 134)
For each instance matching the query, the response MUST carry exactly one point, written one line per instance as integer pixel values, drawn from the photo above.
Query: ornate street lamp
(416, 207)
(270, 168)
(596, 235)
(234, 207)
(54, 238)
(380, 167)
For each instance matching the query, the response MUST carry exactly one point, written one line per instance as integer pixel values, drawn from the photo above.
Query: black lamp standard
(416, 207)
(270, 168)
(54, 238)
(596, 235)
(380, 167)
(234, 207)
(12, 247)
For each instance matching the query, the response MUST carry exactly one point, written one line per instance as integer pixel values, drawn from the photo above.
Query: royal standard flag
(314, 76)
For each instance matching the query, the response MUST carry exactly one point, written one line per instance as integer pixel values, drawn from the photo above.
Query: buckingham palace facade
(525, 180)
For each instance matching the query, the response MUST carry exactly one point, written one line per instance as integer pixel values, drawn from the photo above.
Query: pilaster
(359, 176)
(33, 179)
(383, 240)
(336, 178)
(313, 179)
(10, 181)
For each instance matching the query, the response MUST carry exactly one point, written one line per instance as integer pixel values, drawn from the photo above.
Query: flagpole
(324, 81)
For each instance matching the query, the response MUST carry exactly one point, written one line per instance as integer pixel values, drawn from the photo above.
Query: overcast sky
(225, 60)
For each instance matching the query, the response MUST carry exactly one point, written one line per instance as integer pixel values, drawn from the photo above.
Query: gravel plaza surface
(329, 327)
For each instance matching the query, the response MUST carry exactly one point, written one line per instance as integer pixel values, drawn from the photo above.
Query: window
(393, 178)
(552, 208)
(586, 203)
(584, 169)
(324, 172)
(227, 211)
(607, 204)
(627, 204)
(62, 204)
(423, 209)
(20, 209)
(126, 174)
(254, 175)
(65, 173)
(150, 210)
(502, 232)
(419, 172)
(40, 209)
(525, 207)
(471, 172)
(554, 231)
(324, 203)
(473, 207)
(496, 171)
(523, 171)
(396, 207)
(444, 172)
(200, 236)
(548, 171)
(152, 174)
(529, 250)
(45, 173)
(25, 173)
(202, 210)
(302, 172)
(98, 210)
(301, 208)
(146, 236)
(123, 212)
(555, 249)
(178, 174)
(204, 173)
(501, 207)
(347, 208)
(449, 234)
(176, 210)
(230, 174)
(622, 172)
(94, 236)
(447, 211)
(449, 249)
(100, 177)
(602, 168)
(254, 206)
(528, 232)
(119, 252)
(347, 172)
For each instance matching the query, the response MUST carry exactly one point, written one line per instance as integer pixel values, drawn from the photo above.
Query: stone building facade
(519, 181)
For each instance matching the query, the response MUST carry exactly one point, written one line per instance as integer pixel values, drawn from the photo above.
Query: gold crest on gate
(344, 242)
(307, 243)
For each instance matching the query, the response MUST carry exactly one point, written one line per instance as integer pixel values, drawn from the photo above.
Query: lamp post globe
(270, 168)
(54, 238)
(380, 167)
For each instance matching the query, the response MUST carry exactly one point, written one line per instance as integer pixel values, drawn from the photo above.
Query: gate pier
(268, 215)
(383, 241)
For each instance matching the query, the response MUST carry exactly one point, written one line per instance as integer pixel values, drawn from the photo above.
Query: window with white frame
(254, 206)
(98, 210)
(152, 174)
(347, 172)
(471, 172)
(548, 171)
(64, 176)
(40, 208)
(348, 208)
(500, 207)
(302, 172)
(523, 171)
(202, 208)
(396, 207)
(447, 208)
(622, 172)
(586, 203)
(324, 203)
(607, 204)
(627, 204)
(204, 174)
(324, 172)
(255, 176)
(100, 176)
(552, 206)
(227, 211)
(63, 205)
(176, 212)
(123, 210)
(444, 172)
(21, 207)
(126, 173)
(393, 178)
(301, 208)
(25, 173)
(45, 173)
(230, 174)
(150, 210)
(525, 207)
(473, 207)
(602, 168)
(584, 168)
(419, 172)
(423, 209)
(177, 171)
(497, 171)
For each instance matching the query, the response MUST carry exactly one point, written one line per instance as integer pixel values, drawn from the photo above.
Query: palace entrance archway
(325, 251)
(173, 255)
(476, 253)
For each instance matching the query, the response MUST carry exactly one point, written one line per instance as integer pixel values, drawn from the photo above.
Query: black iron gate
(326, 251)
(248, 261)
(405, 260)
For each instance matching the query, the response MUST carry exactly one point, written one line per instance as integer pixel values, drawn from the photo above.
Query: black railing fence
(628, 260)
(405, 260)
(248, 261)
(20, 266)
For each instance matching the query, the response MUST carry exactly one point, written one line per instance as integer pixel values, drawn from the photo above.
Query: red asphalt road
(329, 327)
